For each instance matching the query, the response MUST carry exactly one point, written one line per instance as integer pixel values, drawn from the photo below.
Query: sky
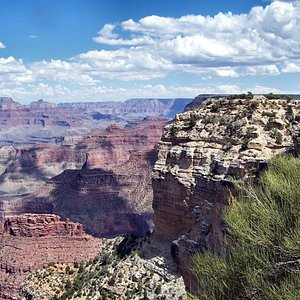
(99, 50)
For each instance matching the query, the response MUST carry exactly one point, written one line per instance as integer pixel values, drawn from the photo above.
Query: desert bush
(270, 114)
(272, 96)
(263, 255)
(277, 135)
(215, 107)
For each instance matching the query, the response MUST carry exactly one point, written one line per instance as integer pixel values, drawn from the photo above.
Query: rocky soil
(127, 268)
(200, 153)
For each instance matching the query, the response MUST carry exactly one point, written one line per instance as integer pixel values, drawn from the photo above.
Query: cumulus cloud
(125, 64)
(62, 71)
(13, 71)
(262, 38)
(291, 68)
(2, 46)
(106, 36)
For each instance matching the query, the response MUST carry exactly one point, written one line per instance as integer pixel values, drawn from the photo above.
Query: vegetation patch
(263, 257)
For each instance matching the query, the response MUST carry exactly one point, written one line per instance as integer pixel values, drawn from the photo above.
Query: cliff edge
(200, 154)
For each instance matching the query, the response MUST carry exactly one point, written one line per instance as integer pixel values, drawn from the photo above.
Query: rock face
(111, 193)
(133, 108)
(24, 169)
(7, 103)
(29, 242)
(200, 153)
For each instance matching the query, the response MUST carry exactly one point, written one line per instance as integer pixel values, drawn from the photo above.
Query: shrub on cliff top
(248, 96)
(263, 258)
(272, 96)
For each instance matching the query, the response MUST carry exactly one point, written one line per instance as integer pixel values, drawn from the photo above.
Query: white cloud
(13, 71)
(262, 40)
(33, 36)
(228, 89)
(291, 68)
(125, 64)
(2, 46)
(265, 90)
(63, 71)
(106, 36)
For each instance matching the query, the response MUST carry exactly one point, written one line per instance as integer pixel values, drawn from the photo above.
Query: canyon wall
(110, 192)
(24, 169)
(200, 153)
(29, 242)
(44, 122)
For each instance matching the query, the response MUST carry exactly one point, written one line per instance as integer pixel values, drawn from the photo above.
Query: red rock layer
(29, 242)
(115, 179)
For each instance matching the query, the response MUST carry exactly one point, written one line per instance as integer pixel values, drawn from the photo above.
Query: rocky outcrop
(41, 104)
(199, 100)
(127, 268)
(200, 153)
(7, 103)
(29, 242)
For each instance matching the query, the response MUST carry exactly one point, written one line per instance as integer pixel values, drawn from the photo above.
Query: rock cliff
(200, 153)
(111, 191)
(24, 169)
(29, 242)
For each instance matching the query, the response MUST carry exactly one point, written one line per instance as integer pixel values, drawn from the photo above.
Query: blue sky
(93, 50)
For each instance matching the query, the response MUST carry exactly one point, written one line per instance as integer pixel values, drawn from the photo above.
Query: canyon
(101, 179)
(42, 122)
(110, 189)
(95, 170)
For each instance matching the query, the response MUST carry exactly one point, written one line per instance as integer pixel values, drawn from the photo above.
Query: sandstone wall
(29, 242)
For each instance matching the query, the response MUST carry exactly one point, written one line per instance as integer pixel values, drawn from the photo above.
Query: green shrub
(290, 113)
(248, 96)
(269, 114)
(173, 130)
(277, 135)
(192, 122)
(51, 264)
(215, 107)
(270, 125)
(263, 223)
(245, 144)
(272, 96)
(288, 98)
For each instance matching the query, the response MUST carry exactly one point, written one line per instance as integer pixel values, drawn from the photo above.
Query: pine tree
(263, 257)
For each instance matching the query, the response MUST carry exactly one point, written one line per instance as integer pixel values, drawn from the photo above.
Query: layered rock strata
(111, 193)
(42, 122)
(29, 242)
(24, 169)
(200, 153)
